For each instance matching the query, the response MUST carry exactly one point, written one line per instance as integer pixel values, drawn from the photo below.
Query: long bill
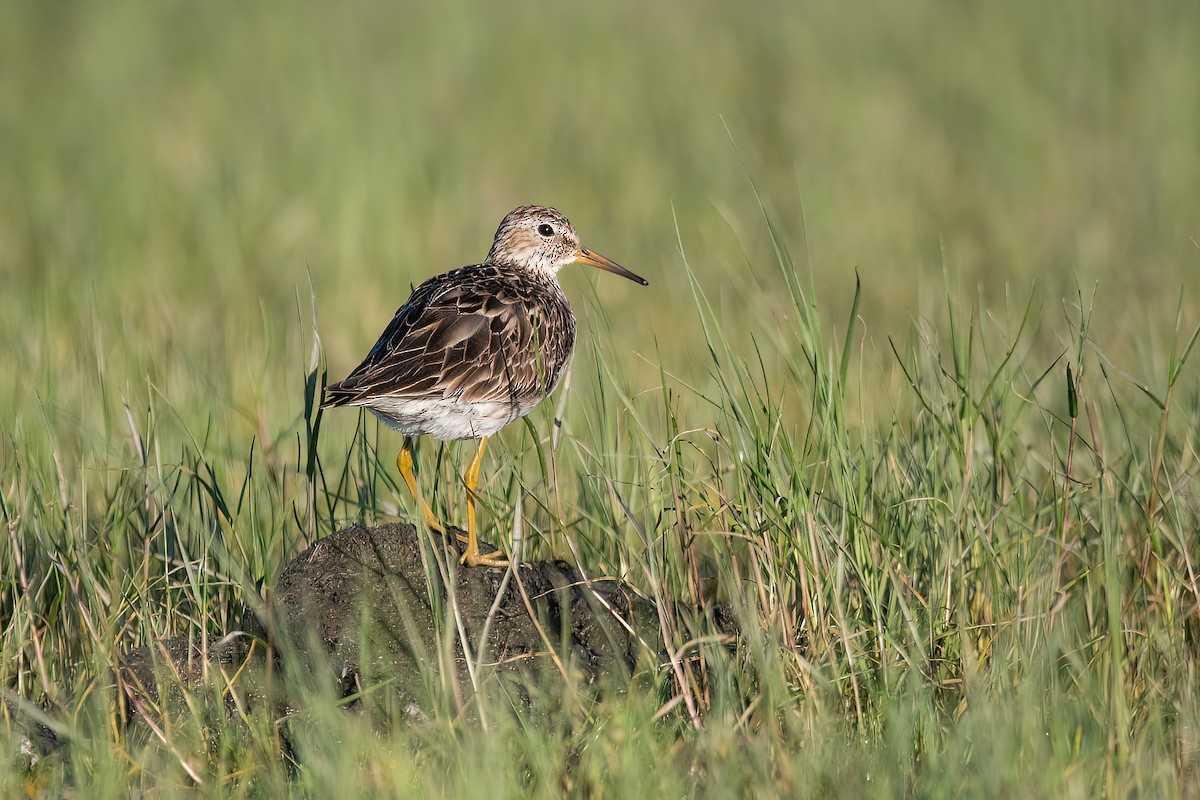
(585, 256)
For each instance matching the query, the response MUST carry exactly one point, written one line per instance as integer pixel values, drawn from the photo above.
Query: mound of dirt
(371, 604)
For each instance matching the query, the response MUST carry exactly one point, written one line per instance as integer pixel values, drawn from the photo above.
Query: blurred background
(204, 204)
(180, 182)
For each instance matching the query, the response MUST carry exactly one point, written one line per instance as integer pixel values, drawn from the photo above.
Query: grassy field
(877, 238)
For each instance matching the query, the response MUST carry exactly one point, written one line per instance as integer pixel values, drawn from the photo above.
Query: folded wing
(464, 335)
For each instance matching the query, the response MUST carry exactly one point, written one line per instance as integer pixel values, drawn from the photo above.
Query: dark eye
(545, 230)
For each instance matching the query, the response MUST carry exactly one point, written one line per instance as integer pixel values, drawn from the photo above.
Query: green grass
(877, 236)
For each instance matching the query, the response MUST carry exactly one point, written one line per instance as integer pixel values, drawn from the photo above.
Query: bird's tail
(339, 394)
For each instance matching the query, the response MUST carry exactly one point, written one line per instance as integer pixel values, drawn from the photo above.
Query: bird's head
(539, 238)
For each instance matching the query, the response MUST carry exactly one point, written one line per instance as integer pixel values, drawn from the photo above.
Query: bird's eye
(546, 230)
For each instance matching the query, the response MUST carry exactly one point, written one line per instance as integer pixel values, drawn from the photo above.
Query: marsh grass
(954, 506)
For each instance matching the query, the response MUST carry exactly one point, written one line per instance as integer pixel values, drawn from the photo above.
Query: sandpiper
(476, 348)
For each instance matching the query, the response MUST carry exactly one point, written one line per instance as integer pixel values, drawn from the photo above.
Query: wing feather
(475, 334)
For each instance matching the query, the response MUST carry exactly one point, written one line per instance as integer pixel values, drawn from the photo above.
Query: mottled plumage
(491, 336)
(478, 347)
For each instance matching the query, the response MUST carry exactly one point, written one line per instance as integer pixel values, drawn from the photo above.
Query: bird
(475, 349)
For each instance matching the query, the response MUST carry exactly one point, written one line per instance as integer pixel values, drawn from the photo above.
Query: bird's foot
(431, 521)
(473, 558)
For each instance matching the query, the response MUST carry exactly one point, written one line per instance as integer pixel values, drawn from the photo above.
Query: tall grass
(951, 494)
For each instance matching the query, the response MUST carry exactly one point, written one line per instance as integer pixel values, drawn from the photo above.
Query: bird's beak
(585, 256)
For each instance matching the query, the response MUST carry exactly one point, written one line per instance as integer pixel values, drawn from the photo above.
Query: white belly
(445, 419)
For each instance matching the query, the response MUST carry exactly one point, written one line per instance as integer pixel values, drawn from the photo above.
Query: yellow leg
(405, 462)
(472, 556)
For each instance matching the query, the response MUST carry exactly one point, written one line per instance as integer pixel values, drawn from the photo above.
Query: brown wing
(471, 334)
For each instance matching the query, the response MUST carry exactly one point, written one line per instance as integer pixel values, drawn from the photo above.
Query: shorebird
(476, 348)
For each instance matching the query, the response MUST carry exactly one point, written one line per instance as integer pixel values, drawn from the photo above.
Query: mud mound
(372, 604)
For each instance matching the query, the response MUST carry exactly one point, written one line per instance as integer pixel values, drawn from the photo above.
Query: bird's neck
(535, 271)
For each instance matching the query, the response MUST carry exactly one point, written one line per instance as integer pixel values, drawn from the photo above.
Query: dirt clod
(370, 604)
